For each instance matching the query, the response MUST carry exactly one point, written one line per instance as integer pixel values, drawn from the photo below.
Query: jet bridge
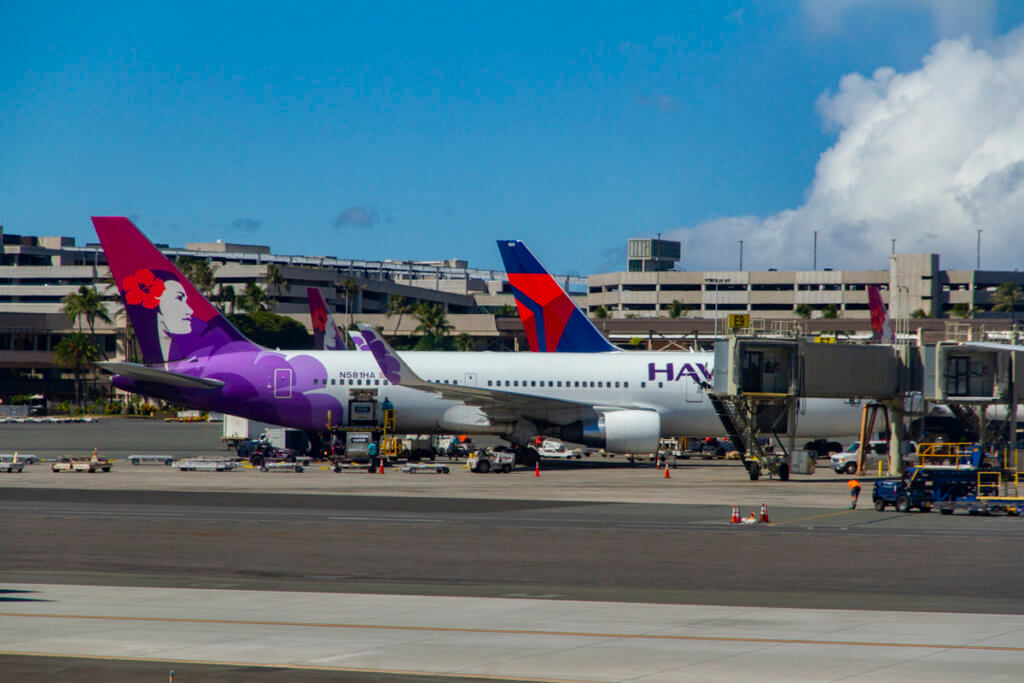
(973, 378)
(759, 383)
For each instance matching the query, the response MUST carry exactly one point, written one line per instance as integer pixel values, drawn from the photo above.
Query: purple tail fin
(325, 330)
(171, 319)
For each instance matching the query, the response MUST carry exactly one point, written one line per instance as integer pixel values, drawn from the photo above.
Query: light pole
(741, 255)
(978, 267)
(814, 262)
(716, 281)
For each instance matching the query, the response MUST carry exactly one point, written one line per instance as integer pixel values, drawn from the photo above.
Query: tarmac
(507, 639)
(593, 571)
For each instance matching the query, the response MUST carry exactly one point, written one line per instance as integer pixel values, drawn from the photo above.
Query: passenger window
(533, 383)
(359, 382)
(376, 382)
(600, 385)
(625, 385)
(506, 383)
(515, 383)
(661, 385)
(643, 385)
(559, 382)
(488, 382)
(616, 385)
(455, 381)
(577, 385)
(332, 380)
(591, 384)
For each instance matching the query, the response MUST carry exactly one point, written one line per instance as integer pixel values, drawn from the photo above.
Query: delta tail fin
(171, 318)
(551, 319)
(325, 330)
(881, 326)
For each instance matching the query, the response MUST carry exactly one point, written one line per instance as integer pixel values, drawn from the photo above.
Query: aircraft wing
(145, 373)
(496, 404)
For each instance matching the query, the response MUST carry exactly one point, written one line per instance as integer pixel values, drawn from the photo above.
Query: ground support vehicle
(27, 458)
(235, 430)
(488, 461)
(69, 463)
(10, 466)
(204, 465)
(282, 466)
(434, 468)
(952, 477)
(772, 464)
(141, 459)
(823, 448)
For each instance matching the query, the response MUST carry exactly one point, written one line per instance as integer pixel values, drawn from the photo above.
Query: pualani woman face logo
(175, 313)
(168, 297)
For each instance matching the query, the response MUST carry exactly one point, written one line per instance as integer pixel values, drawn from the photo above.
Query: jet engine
(618, 431)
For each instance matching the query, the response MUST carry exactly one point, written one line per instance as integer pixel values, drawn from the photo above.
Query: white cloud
(925, 157)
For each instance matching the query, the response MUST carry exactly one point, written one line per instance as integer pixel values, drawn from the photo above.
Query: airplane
(325, 330)
(881, 326)
(552, 320)
(624, 402)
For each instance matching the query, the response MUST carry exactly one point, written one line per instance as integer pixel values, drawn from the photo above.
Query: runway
(524, 639)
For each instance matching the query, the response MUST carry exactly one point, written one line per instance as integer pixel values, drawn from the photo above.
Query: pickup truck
(846, 462)
(498, 461)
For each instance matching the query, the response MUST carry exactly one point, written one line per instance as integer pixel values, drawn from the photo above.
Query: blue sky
(428, 131)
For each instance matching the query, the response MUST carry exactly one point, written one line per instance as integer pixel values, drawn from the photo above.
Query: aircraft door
(694, 392)
(470, 379)
(282, 383)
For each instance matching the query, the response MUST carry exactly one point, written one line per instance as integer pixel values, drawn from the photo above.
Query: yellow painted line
(520, 632)
(825, 516)
(299, 667)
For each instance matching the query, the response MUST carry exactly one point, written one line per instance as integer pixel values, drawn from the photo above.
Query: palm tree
(465, 342)
(433, 320)
(76, 351)
(677, 309)
(227, 298)
(400, 306)
(351, 288)
(830, 312)
(253, 298)
(1007, 297)
(86, 304)
(275, 281)
(960, 310)
(803, 310)
(601, 312)
(199, 272)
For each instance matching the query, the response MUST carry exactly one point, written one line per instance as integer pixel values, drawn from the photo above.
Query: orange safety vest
(853, 484)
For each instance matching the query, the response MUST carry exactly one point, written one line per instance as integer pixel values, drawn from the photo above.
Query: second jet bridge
(759, 383)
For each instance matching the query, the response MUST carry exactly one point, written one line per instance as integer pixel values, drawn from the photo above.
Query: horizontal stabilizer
(144, 373)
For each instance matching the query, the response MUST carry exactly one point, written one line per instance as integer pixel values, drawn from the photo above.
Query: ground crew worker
(371, 451)
(854, 492)
(388, 405)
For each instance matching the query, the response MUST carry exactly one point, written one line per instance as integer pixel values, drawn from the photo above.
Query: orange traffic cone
(764, 514)
(666, 470)
(381, 470)
(736, 519)
(536, 469)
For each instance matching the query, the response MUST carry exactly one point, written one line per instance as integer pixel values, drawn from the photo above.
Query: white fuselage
(669, 383)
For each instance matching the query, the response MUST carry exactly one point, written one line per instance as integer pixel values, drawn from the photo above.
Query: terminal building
(914, 286)
(646, 302)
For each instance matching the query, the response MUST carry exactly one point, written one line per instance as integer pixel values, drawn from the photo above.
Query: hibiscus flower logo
(319, 319)
(144, 288)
